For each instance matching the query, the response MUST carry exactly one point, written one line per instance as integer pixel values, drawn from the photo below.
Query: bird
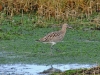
(55, 36)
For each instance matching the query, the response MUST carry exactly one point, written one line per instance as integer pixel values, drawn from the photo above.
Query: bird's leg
(51, 48)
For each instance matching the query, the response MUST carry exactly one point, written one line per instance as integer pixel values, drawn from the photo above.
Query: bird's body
(54, 37)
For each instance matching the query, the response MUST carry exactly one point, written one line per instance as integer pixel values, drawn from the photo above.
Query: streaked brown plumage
(55, 37)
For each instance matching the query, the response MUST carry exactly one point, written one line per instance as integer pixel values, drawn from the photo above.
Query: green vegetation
(18, 45)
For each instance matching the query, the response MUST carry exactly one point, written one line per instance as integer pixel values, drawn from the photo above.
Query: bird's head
(66, 26)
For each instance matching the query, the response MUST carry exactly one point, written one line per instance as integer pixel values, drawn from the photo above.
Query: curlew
(55, 37)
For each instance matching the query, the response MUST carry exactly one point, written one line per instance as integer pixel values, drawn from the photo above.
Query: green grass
(18, 45)
(78, 46)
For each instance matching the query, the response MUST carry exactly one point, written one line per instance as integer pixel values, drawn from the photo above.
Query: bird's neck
(63, 29)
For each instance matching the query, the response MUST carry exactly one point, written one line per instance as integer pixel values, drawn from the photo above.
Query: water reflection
(32, 69)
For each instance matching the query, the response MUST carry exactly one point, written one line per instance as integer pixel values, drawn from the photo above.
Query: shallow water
(32, 69)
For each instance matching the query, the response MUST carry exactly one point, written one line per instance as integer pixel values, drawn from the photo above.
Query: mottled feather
(55, 36)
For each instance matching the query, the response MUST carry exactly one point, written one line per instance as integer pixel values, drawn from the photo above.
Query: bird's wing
(50, 36)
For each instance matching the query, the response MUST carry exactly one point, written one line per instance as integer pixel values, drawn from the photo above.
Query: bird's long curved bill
(69, 27)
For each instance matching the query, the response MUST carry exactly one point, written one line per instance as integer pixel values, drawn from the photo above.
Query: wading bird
(55, 37)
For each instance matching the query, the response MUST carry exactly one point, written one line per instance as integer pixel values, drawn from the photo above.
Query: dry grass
(59, 9)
